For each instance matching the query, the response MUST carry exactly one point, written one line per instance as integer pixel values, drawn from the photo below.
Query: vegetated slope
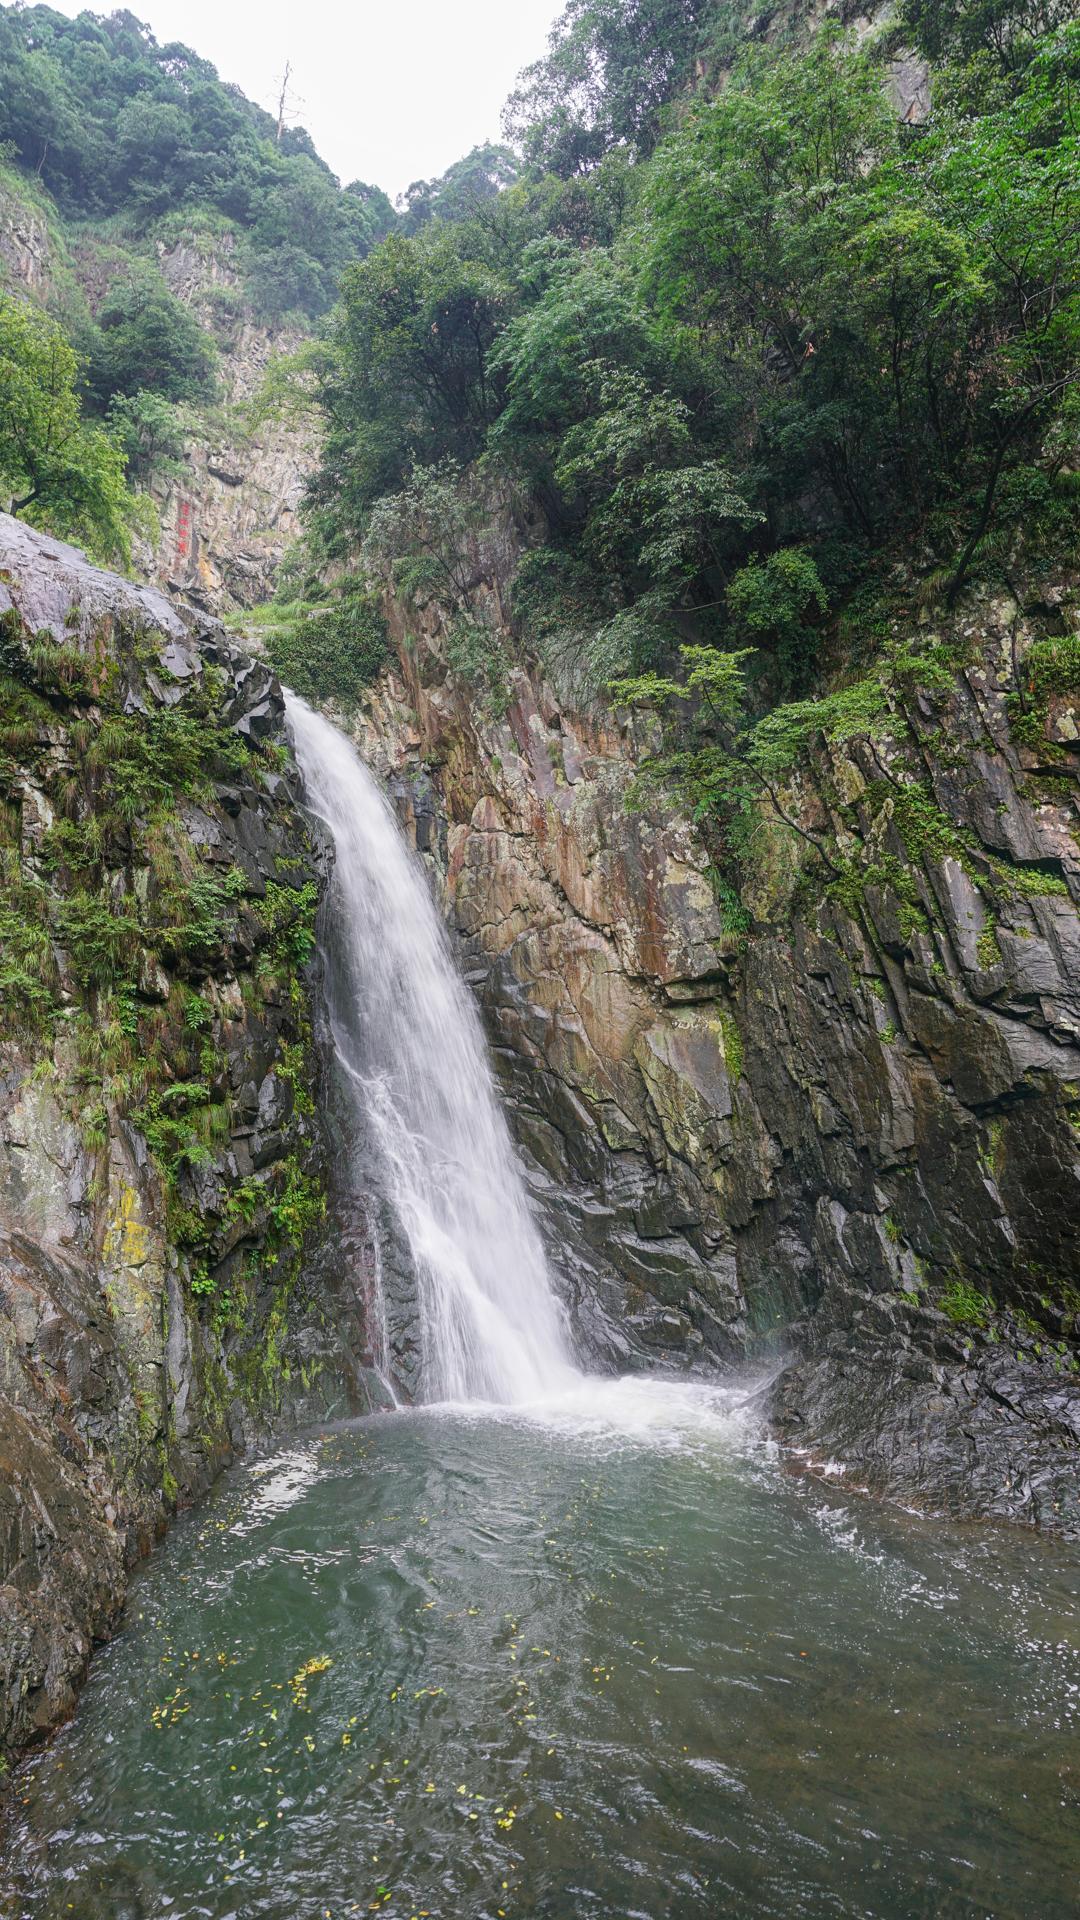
(730, 457)
(181, 241)
(114, 125)
(739, 361)
(173, 241)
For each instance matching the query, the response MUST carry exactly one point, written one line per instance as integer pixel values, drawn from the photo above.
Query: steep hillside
(164, 1162)
(139, 196)
(846, 1132)
(226, 490)
(114, 126)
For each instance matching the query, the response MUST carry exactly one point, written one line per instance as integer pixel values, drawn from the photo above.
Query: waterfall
(412, 1051)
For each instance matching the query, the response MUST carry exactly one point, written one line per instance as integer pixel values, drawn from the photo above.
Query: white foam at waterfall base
(410, 1040)
(643, 1410)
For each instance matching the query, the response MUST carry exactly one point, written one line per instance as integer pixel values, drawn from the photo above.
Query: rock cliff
(847, 1138)
(25, 245)
(228, 519)
(162, 1160)
(228, 516)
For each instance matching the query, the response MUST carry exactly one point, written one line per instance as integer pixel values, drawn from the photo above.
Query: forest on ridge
(770, 361)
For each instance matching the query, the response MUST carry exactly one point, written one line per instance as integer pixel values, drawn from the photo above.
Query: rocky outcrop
(229, 515)
(228, 520)
(593, 938)
(25, 248)
(847, 1137)
(162, 1164)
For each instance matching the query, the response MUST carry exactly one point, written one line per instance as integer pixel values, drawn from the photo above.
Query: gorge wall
(840, 1142)
(231, 511)
(849, 1138)
(228, 519)
(163, 1159)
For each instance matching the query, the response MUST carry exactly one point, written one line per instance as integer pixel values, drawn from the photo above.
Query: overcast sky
(391, 91)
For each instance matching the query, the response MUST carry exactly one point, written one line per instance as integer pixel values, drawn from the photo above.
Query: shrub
(326, 651)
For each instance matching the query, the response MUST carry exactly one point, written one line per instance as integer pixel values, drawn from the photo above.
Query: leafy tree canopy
(737, 341)
(1006, 30)
(409, 380)
(145, 339)
(114, 123)
(610, 70)
(66, 473)
(463, 189)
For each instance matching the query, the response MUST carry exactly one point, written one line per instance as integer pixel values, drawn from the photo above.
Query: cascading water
(410, 1044)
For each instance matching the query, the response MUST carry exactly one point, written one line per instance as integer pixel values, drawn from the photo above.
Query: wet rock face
(162, 1163)
(62, 1553)
(579, 925)
(851, 1140)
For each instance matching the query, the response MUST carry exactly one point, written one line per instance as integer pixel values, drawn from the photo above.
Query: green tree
(1007, 30)
(152, 432)
(410, 379)
(465, 188)
(583, 311)
(151, 154)
(773, 602)
(426, 535)
(610, 69)
(1010, 179)
(146, 341)
(64, 474)
(655, 503)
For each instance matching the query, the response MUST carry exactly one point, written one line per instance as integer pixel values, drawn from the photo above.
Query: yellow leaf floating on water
(298, 1683)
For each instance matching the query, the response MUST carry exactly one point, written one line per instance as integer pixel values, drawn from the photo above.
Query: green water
(615, 1662)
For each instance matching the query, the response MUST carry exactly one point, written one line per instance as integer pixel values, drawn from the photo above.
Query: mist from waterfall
(413, 1055)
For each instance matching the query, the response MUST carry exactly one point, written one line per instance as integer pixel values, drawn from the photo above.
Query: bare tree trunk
(981, 523)
(283, 101)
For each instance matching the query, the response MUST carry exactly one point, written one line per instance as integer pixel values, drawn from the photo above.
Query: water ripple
(600, 1657)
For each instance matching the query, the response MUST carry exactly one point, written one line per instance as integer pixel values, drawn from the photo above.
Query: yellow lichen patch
(127, 1238)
